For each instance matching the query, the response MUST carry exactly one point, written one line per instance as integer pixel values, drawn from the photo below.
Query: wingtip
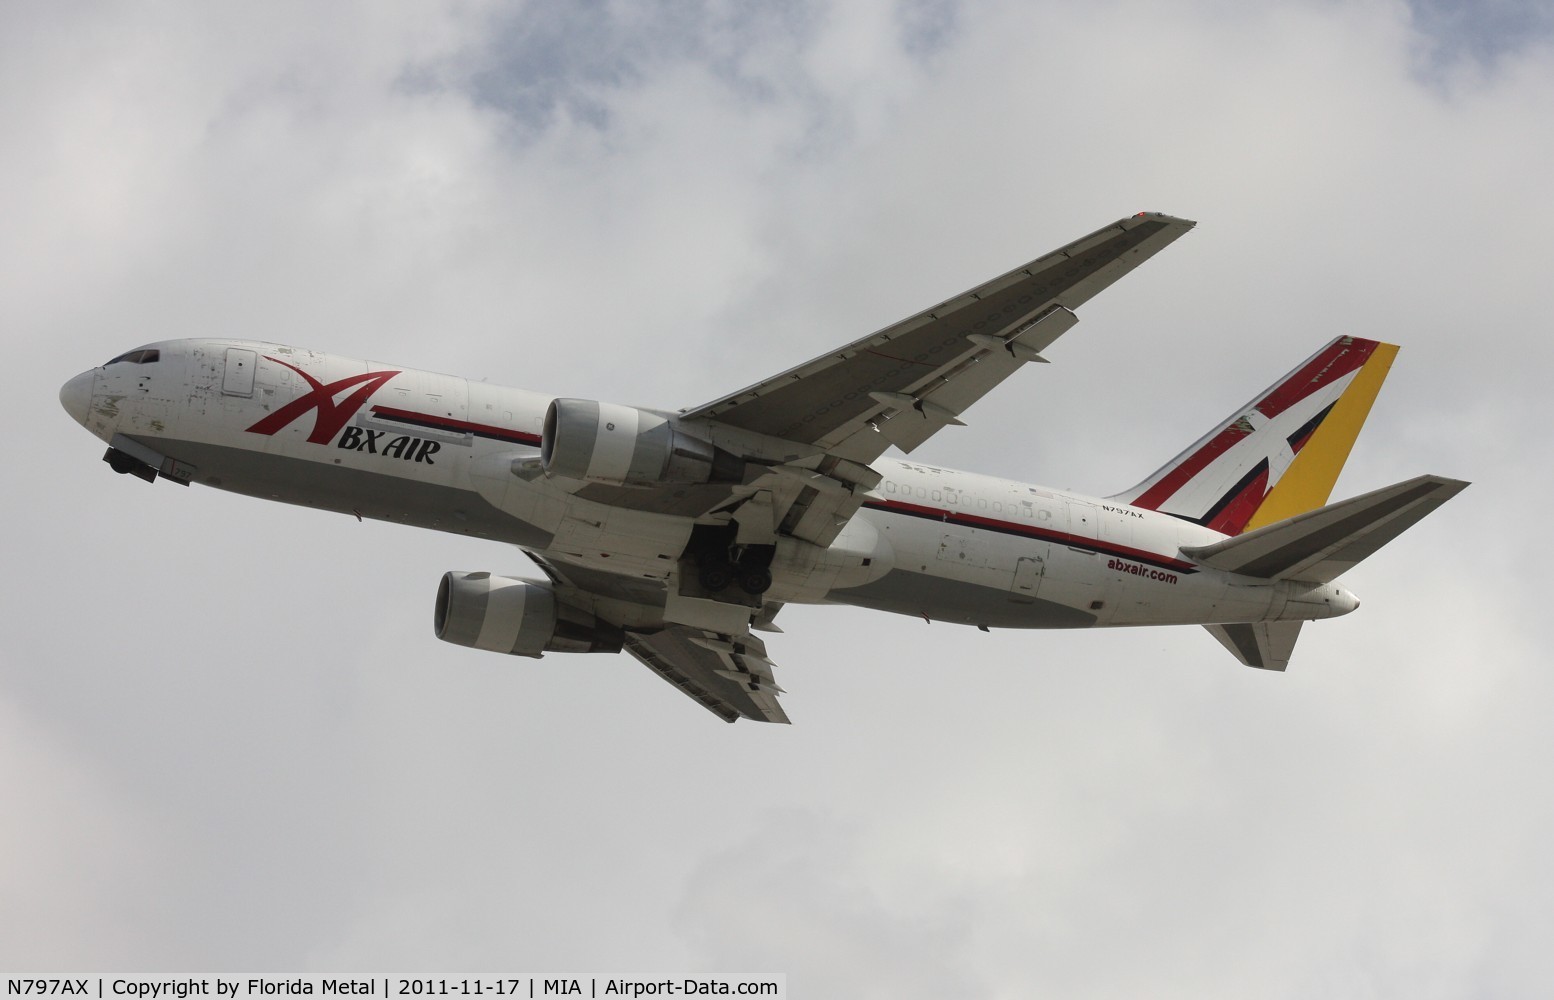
(1166, 217)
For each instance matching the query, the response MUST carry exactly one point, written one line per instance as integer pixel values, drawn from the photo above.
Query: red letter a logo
(331, 415)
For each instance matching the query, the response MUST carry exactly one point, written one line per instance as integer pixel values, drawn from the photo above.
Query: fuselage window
(937, 495)
(144, 356)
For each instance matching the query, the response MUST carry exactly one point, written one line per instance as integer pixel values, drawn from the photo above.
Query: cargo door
(1080, 567)
(1027, 579)
(965, 547)
(1082, 519)
(237, 379)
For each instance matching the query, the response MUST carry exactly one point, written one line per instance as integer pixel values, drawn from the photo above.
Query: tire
(715, 577)
(755, 581)
(121, 463)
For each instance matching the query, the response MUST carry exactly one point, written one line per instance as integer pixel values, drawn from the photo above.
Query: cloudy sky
(229, 740)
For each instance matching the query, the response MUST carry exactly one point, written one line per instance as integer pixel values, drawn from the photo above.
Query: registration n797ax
(680, 535)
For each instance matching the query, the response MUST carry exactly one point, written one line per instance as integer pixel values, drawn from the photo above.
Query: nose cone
(76, 396)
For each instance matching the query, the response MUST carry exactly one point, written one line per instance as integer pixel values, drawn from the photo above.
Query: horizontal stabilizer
(1320, 545)
(1264, 645)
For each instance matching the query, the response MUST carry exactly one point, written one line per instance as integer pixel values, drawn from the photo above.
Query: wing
(729, 675)
(898, 387)
(894, 388)
(725, 669)
(901, 385)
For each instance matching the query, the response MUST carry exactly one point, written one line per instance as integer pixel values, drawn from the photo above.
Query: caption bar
(491, 987)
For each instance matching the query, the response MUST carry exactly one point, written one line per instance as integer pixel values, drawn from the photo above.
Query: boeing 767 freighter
(679, 535)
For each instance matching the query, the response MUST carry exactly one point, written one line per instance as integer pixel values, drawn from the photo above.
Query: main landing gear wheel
(715, 577)
(722, 563)
(756, 580)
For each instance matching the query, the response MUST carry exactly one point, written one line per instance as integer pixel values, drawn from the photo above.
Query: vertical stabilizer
(1280, 454)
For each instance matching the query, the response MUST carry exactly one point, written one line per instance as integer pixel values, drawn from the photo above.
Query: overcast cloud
(229, 741)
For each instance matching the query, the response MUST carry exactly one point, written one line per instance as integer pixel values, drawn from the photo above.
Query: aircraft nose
(76, 396)
(1344, 600)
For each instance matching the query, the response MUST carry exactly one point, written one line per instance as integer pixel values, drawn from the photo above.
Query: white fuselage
(437, 451)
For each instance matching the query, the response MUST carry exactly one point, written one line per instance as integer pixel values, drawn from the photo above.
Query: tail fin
(1280, 454)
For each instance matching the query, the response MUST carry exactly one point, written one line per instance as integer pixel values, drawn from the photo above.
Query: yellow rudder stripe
(1308, 482)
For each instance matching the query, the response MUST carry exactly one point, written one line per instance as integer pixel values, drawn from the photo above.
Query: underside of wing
(723, 667)
(729, 675)
(901, 385)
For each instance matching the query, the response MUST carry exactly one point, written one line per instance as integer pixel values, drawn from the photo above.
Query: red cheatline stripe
(485, 430)
(1031, 531)
(1166, 487)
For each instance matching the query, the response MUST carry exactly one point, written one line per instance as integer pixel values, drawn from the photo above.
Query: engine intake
(519, 617)
(624, 446)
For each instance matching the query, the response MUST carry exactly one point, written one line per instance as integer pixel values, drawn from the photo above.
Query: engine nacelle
(519, 617)
(624, 446)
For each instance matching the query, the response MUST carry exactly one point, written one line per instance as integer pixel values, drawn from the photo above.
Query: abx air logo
(331, 414)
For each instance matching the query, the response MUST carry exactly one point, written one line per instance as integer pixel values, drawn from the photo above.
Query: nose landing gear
(128, 465)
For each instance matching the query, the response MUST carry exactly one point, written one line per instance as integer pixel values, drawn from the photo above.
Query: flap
(727, 674)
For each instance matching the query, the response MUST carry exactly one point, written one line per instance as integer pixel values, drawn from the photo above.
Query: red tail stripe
(1166, 487)
(1334, 363)
(1338, 360)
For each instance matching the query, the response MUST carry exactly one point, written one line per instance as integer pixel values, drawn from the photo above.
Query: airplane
(678, 536)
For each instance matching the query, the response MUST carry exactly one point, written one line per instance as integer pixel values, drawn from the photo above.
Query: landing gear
(755, 580)
(128, 465)
(720, 563)
(715, 575)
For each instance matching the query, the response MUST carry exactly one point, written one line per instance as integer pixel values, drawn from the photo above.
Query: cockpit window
(144, 356)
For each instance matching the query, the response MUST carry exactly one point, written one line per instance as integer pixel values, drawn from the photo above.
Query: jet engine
(520, 617)
(623, 446)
